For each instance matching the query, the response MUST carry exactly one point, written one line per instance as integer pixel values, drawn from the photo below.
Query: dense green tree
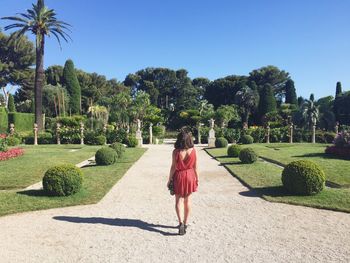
(270, 75)
(184, 93)
(200, 84)
(40, 21)
(310, 112)
(16, 59)
(312, 97)
(72, 85)
(301, 101)
(291, 95)
(11, 104)
(341, 105)
(225, 114)
(54, 75)
(55, 100)
(120, 106)
(267, 102)
(338, 89)
(248, 100)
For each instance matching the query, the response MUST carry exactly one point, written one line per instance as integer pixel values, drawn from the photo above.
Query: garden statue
(150, 133)
(291, 133)
(35, 134)
(105, 128)
(245, 126)
(337, 127)
(12, 129)
(268, 134)
(313, 130)
(199, 132)
(211, 139)
(81, 133)
(139, 133)
(58, 128)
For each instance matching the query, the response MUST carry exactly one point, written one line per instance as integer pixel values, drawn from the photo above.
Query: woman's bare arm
(172, 168)
(196, 168)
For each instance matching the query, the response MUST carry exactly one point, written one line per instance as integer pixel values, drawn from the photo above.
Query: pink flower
(11, 153)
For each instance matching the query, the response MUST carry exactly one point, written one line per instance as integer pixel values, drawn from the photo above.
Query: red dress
(185, 181)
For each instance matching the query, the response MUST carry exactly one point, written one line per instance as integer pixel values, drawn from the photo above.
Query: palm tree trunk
(39, 79)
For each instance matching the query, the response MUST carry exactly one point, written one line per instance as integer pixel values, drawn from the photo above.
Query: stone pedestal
(314, 134)
(58, 128)
(211, 138)
(150, 134)
(291, 133)
(35, 134)
(81, 133)
(268, 134)
(139, 138)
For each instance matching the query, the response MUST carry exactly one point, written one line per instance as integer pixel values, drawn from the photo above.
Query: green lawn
(29, 168)
(98, 180)
(264, 179)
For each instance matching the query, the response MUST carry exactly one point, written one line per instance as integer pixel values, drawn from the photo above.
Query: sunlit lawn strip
(265, 180)
(98, 180)
(29, 168)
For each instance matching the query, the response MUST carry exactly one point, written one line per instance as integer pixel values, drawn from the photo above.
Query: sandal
(182, 229)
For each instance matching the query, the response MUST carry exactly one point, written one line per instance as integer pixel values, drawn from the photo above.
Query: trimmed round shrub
(119, 148)
(248, 155)
(105, 156)
(62, 180)
(132, 142)
(221, 142)
(247, 139)
(233, 150)
(303, 178)
(100, 140)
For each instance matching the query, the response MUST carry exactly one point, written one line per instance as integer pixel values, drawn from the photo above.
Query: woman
(184, 174)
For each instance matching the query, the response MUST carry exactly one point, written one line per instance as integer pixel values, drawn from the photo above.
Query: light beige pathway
(133, 223)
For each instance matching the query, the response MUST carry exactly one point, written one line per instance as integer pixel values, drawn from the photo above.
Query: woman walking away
(184, 175)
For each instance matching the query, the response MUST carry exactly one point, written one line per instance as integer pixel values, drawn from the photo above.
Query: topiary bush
(248, 155)
(221, 142)
(233, 150)
(131, 141)
(62, 180)
(247, 139)
(105, 156)
(119, 148)
(303, 178)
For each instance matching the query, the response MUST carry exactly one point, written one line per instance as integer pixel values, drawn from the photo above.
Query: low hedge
(303, 178)
(3, 120)
(233, 150)
(221, 142)
(248, 155)
(62, 180)
(119, 148)
(43, 138)
(22, 121)
(105, 156)
(132, 142)
(247, 139)
(342, 152)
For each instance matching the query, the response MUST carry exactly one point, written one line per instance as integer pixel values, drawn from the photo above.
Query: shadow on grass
(320, 155)
(121, 222)
(272, 191)
(33, 193)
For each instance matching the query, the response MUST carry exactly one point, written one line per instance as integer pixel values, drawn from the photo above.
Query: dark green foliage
(12, 141)
(221, 142)
(72, 85)
(11, 104)
(248, 155)
(119, 148)
(73, 122)
(62, 180)
(342, 109)
(131, 141)
(233, 150)
(303, 178)
(231, 135)
(119, 135)
(22, 121)
(43, 138)
(258, 134)
(94, 138)
(3, 120)
(105, 156)
(291, 96)
(267, 101)
(247, 139)
(338, 89)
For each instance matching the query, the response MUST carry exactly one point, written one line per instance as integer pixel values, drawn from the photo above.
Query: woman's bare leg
(177, 208)
(187, 208)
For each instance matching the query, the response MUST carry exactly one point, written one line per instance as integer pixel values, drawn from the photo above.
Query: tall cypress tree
(71, 83)
(11, 104)
(338, 89)
(291, 95)
(267, 101)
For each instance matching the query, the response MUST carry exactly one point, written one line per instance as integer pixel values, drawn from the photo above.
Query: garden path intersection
(135, 222)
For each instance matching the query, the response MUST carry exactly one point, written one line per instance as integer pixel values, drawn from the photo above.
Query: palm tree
(310, 112)
(41, 22)
(248, 100)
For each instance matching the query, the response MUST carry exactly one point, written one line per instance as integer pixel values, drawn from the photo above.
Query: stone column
(81, 133)
(150, 133)
(35, 134)
(58, 128)
(211, 139)
(291, 133)
(105, 128)
(139, 134)
(314, 133)
(336, 127)
(12, 129)
(199, 133)
(268, 134)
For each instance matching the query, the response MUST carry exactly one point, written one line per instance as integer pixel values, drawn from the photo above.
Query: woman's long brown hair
(184, 140)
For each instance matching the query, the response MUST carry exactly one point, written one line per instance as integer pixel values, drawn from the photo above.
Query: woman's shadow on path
(122, 222)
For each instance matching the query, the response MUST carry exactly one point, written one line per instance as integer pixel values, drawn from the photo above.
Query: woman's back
(185, 159)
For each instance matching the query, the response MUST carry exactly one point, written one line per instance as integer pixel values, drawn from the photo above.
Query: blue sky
(310, 39)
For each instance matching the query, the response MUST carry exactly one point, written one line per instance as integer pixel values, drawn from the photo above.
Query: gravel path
(135, 223)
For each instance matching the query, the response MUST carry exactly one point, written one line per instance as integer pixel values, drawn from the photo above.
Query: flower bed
(343, 152)
(11, 153)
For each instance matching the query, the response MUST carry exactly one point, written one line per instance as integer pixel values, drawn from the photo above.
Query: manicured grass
(29, 168)
(98, 180)
(337, 170)
(264, 179)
